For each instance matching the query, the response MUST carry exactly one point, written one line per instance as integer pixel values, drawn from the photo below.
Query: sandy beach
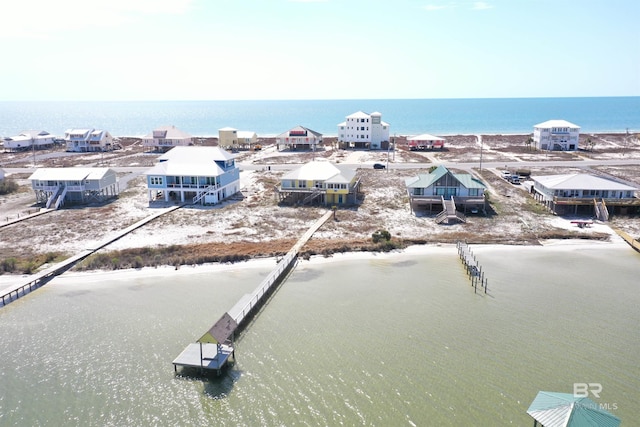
(256, 227)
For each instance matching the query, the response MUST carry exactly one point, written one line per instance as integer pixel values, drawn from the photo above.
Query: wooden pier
(39, 279)
(472, 266)
(216, 347)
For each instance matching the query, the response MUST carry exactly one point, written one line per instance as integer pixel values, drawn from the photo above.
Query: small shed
(550, 409)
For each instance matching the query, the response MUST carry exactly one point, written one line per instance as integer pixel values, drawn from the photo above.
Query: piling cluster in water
(472, 266)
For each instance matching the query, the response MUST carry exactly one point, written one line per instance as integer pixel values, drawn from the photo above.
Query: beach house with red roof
(299, 138)
(425, 142)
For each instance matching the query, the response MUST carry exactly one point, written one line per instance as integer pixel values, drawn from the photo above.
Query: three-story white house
(194, 175)
(363, 130)
(558, 135)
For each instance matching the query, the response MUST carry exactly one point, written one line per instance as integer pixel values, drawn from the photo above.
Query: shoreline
(406, 135)
(100, 276)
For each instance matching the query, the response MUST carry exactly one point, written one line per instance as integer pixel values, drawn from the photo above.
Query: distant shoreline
(399, 135)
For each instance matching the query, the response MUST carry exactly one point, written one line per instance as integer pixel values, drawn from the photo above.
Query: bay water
(387, 339)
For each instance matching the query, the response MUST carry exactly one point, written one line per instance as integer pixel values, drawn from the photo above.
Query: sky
(317, 49)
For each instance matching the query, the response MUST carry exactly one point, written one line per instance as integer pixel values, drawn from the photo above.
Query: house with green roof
(446, 190)
(319, 181)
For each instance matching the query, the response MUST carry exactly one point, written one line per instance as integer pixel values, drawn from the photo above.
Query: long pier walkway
(39, 279)
(213, 350)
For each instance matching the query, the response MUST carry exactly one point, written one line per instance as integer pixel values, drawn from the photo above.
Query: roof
(300, 129)
(566, 410)
(69, 174)
(227, 128)
(322, 170)
(427, 180)
(556, 124)
(246, 134)
(185, 169)
(358, 115)
(425, 137)
(580, 181)
(191, 155)
(170, 132)
(191, 161)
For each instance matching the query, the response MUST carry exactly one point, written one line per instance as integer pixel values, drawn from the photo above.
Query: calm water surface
(390, 340)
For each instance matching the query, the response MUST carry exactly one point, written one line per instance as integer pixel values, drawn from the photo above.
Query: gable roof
(556, 124)
(427, 180)
(69, 174)
(321, 170)
(580, 181)
(299, 128)
(169, 132)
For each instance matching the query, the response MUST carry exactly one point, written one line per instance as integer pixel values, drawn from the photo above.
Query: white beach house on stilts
(58, 186)
(193, 175)
(556, 135)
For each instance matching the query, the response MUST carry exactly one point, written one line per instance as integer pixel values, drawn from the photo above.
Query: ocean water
(269, 118)
(393, 339)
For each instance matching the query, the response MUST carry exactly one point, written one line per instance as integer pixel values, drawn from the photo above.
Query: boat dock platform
(215, 348)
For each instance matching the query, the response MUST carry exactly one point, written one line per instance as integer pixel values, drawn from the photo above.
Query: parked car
(378, 166)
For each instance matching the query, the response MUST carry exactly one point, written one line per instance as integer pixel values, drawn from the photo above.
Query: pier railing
(248, 303)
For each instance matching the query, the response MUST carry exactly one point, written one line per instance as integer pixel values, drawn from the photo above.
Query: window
(474, 192)
(156, 180)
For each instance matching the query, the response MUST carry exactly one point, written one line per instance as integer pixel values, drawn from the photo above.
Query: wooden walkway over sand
(214, 349)
(39, 279)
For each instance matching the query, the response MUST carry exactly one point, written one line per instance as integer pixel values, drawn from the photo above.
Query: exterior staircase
(60, 200)
(209, 190)
(54, 196)
(449, 214)
(601, 211)
(316, 193)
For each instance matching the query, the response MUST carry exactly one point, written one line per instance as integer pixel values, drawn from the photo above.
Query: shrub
(381, 235)
(9, 265)
(8, 186)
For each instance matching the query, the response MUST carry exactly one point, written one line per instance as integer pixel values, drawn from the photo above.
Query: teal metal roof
(427, 180)
(566, 410)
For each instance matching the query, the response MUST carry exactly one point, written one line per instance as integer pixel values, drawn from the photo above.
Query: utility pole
(481, 144)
